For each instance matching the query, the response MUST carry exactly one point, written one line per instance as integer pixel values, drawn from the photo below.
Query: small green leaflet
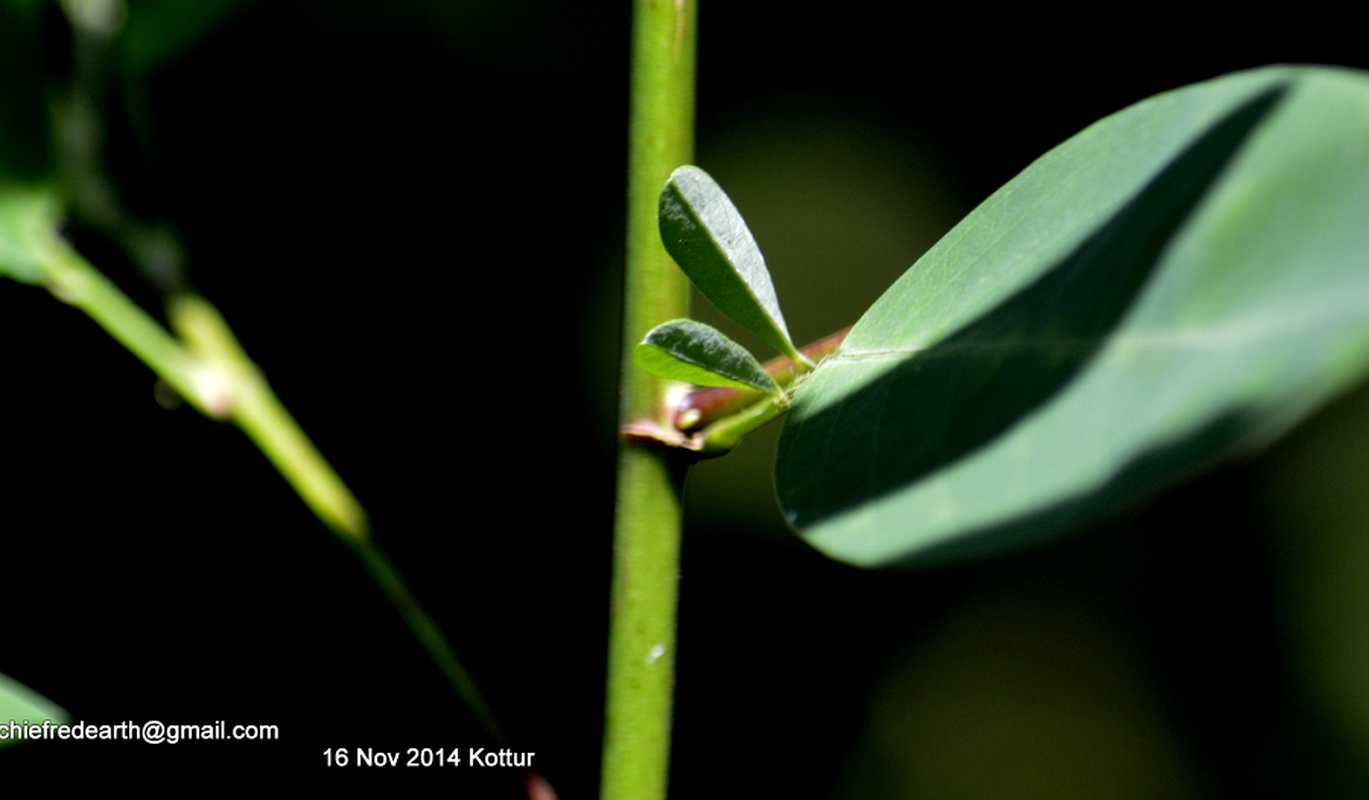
(686, 350)
(707, 237)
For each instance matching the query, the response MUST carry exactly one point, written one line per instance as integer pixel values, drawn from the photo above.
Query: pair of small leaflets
(706, 236)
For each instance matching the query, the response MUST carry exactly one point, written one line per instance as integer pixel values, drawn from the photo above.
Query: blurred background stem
(210, 370)
(647, 526)
(200, 358)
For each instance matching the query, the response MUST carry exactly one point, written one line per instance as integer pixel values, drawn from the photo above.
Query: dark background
(412, 217)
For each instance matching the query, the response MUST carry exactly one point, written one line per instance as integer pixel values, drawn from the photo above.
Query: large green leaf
(1180, 282)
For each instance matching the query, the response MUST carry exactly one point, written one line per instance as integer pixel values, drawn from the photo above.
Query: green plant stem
(254, 408)
(261, 415)
(74, 281)
(724, 435)
(641, 661)
(203, 362)
(210, 370)
(425, 629)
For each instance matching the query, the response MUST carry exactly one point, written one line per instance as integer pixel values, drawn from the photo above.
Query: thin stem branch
(203, 361)
(641, 668)
(425, 629)
(254, 407)
(214, 374)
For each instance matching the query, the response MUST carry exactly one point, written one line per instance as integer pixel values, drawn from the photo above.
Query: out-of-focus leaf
(18, 703)
(160, 30)
(685, 350)
(24, 147)
(707, 237)
(26, 7)
(1182, 281)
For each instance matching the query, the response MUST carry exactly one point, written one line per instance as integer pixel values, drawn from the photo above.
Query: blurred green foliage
(24, 150)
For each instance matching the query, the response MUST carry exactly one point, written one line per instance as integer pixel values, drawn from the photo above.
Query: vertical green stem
(641, 669)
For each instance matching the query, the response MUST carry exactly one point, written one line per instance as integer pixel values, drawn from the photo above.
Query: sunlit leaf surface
(1180, 282)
